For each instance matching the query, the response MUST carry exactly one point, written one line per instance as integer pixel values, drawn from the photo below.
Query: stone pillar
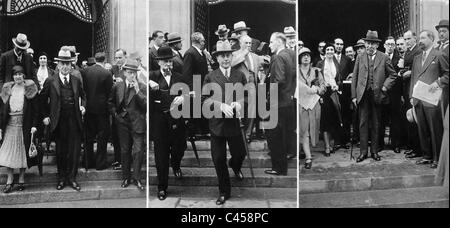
(128, 27)
(171, 16)
(429, 13)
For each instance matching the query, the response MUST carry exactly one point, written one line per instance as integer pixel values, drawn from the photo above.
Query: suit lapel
(130, 96)
(428, 61)
(74, 85)
(377, 61)
(56, 84)
(121, 92)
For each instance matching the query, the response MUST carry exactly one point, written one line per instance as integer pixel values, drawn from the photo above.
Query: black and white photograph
(373, 103)
(240, 156)
(73, 110)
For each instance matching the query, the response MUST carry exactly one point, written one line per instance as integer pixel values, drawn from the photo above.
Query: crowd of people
(351, 95)
(237, 59)
(74, 107)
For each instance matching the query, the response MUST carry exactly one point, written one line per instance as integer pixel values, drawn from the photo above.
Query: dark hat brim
(441, 26)
(165, 57)
(64, 59)
(130, 68)
(223, 51)
(241, 29)
(174, 41)
(14, 40)
(372, 39)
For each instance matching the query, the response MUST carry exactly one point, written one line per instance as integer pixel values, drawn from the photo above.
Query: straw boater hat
(21, 41)
(64, 56)
(240, 26)
(442, 23)
(164, 53)
(173, 38)
(222, 30)
(223, 47)
(289, 31)
(372, 36)
(411, 115)
(131, 65)
(360, 43)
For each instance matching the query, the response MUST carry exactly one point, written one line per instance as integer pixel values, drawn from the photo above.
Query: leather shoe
(61, 185)
(409, 152)
(272, 172)
(376, 157)
(302, 156)
(117, 167)
(177, 173)
(238, 174)
(75, 186)
(361, 158)
(139, 185)
(397, 150)
(21, 187)
(126, 183)
(434, 165)
(308, 165)
(162, 195)
(8, 188)
(222, 199)
(424, 162)
(413, 155)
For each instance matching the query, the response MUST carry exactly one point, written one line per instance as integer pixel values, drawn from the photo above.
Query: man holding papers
(429, 77)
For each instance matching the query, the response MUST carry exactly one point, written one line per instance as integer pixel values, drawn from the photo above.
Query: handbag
(32, 152)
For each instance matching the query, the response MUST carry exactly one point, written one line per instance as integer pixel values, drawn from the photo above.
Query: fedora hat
(360, 43)
(240, 26)
(131, 65)
(64, 56)
(411, 115)
(173, 38)
(289, 31)
(442, 23)
(222, 30)
(223, 47)
(372, 36)
(164, 53)
(21, 41)
(135, 55)
(90, 61)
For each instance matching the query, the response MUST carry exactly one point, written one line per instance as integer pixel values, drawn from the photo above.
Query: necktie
(66, 82)
(424, 58)
(339, 58)
(227, 74)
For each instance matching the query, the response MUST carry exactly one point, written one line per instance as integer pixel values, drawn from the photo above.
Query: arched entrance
(50, 24)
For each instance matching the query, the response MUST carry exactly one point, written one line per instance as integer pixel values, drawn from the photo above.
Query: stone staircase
(199, 188)
(96, 185)
(338, 182)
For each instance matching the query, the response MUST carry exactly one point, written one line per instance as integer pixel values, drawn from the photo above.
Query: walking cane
(244, 138)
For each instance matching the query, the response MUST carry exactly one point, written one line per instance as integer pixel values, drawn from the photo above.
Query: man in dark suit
(224, 123)
(430, 67)
(413, 145)
(282, 73)
(345, 98)
(17, 56)
(373, 77)
(128, 105)
(321, 50)
(195, 63)
(63, 112)
(443, 32)
(168, 132)
(97, 83)
(120, 57)
(174, 42)
(158, 41)
(391, 113)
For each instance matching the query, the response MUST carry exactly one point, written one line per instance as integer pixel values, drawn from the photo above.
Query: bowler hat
(372, 36)
(223, 47)
(173, 38)
(222, 30)
(240, 26)
(411, 115)
(21, 41)
(442, 23)
(164, 53)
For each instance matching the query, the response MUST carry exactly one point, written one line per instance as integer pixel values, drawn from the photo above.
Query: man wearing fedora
(431, 68)
(97, 83)
(291, 35)
(240, 28)
(167, 132)
(224, 125)
(128, 106)
(282, 70)
(174, 42)
(158, 41)
(17, 56)
(373, 77)
(63, 113)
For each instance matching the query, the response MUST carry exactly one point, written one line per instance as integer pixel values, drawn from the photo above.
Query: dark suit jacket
(178, 63)
(51, 93)
(384, 75)
(163, 95)
(194, 64)
(136, 106)
(397, 88)
(153, 63)
(8, 60)
(345, 67)
(436, 66)
(224, 127)
(283, 72)
(97, 83)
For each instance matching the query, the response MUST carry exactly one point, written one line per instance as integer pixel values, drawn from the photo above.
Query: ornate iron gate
(201, 18)
(400, 10)
(101, 29)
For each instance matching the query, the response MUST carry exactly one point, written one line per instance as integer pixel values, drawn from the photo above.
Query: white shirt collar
(225, 70)
(156, 47)
(427, 52)
(61, 77)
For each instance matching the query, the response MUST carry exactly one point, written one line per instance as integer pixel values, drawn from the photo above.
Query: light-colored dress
(12, 151)
(442, 171)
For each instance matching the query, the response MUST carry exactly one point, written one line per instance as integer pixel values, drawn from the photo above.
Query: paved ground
(120, 203)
